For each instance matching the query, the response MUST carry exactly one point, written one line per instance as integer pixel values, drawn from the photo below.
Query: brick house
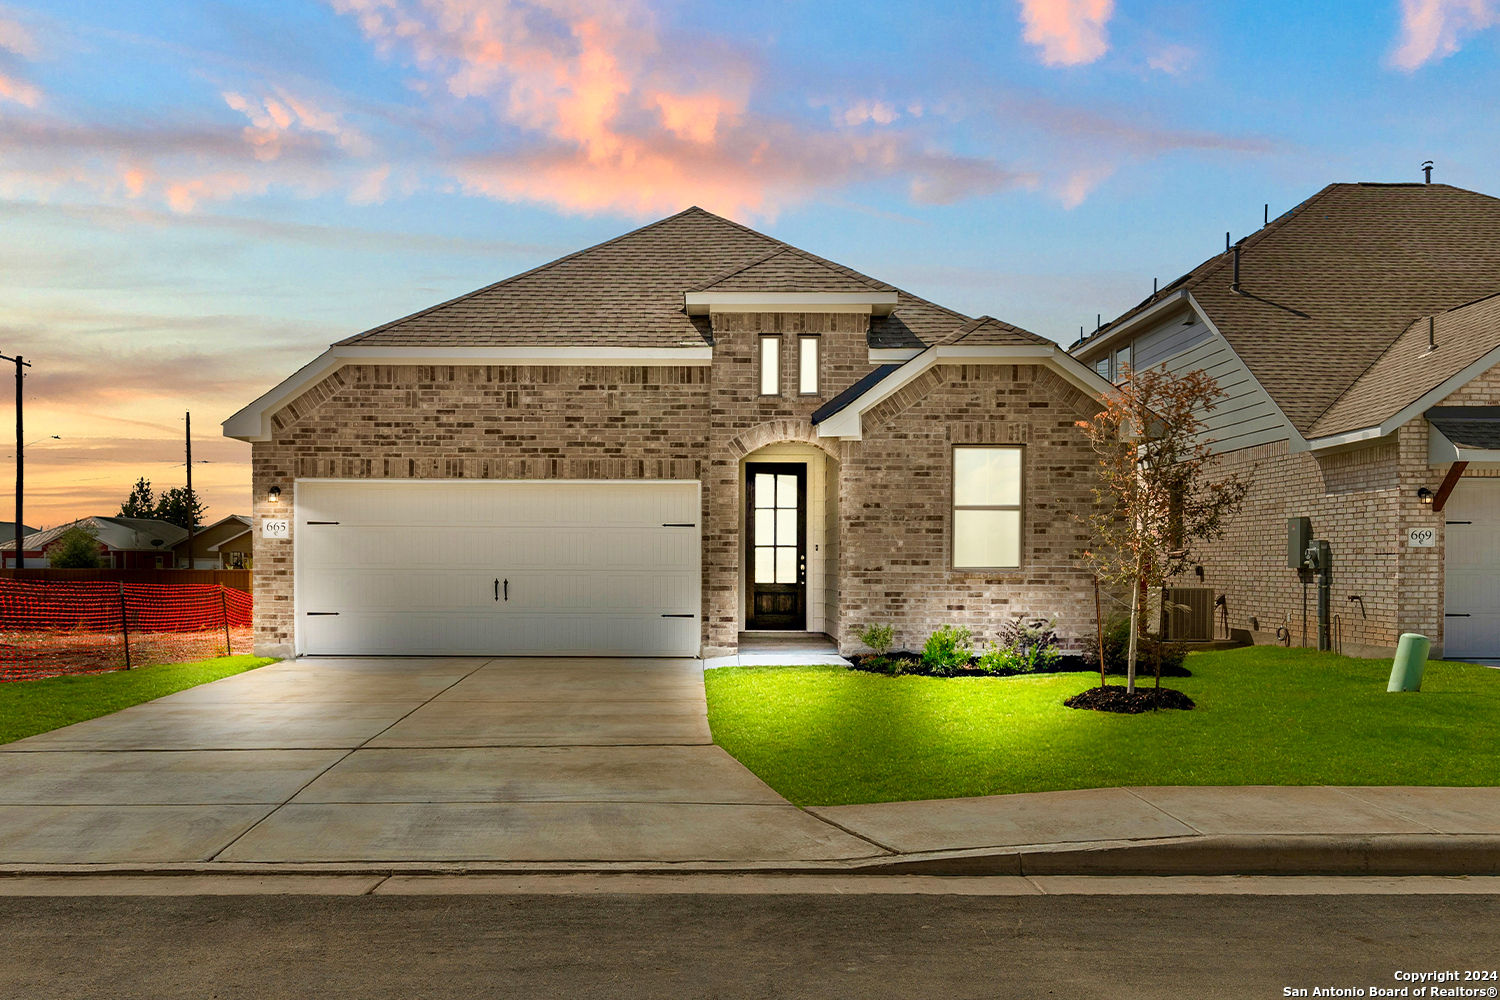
(1357, 338)
(658, 443)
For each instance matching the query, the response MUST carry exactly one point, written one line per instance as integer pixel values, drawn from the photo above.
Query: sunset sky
(198, 197)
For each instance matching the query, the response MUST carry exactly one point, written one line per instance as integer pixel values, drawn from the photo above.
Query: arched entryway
(789, 531)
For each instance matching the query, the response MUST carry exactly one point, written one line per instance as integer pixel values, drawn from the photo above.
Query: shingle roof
(1331, 285)
(628, 292)
(1408, 370)
(1468, 426)
(120, 533)
(852, 393)
(989, 331)
(787, 269)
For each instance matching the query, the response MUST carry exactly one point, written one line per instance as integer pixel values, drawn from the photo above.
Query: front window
(986, 507)
(807, 366)
(770, 366)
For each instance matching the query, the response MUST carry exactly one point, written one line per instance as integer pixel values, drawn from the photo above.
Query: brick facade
(1362, 500)
(568, 422)
(896, 496)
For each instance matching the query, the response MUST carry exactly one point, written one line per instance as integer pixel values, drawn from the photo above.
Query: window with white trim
(986, 507)
(770, 366)
(807, 366)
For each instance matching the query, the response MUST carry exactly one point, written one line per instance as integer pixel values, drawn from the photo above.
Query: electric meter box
(1298, 538)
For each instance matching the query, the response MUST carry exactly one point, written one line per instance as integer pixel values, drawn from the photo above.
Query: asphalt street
(951, 947)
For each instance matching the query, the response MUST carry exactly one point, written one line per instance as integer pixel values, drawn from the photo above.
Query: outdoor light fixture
(275, 494)
(1425, 495)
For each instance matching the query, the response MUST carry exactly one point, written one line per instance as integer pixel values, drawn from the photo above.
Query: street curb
(1321, 854)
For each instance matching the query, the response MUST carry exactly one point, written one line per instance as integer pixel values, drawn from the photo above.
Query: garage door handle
(314, 614)
(498, 586)
(679, 616)
(1457, 616)
(322, 522)
(684, 524)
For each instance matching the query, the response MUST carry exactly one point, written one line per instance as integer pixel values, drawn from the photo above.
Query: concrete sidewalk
(436, 766)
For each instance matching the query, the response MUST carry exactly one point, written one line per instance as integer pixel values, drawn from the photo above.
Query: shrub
(948, 650)
(77, 548)
(880, 638)
(1025, 647)
(1117, 650)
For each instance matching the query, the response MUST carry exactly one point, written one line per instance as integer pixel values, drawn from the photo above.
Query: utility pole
(190, 505)
(20, 461)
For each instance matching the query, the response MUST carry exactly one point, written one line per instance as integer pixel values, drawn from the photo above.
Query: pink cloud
(1069, 32)
(614, 119)
(19, 91)
(1433, 29)
(16, 39)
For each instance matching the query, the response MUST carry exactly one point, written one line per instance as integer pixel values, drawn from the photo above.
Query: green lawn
(1265, 715)
(31, 707)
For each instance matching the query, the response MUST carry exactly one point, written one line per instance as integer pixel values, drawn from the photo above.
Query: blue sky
(198, 198)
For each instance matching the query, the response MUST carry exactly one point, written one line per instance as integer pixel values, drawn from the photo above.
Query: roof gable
(988, 331)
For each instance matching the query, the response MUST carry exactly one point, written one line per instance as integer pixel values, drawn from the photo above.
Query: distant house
(124, 543)
(1357, 341)
(8, 530)
(208, 540)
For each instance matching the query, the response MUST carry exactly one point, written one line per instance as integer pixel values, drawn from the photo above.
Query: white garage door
(485, 567)
(1471, 622)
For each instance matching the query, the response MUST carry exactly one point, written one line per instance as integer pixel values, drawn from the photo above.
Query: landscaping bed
(1067, 663)
(1264, 715)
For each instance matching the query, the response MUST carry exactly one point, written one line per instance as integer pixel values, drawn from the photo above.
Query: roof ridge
(552, 263)
(841, 269)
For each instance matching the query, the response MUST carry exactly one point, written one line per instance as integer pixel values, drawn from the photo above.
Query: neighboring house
(1358, 351)
(124, 543)
(206, 542)
(236, 551)
(654, 444)
(8, 531)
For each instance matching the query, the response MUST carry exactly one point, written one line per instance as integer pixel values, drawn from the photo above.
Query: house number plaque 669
(1421, 538)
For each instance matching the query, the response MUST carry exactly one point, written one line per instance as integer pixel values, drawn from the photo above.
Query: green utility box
(1411, 660)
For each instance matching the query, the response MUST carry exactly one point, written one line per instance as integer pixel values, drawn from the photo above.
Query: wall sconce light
(1425, 495)
(275, 494)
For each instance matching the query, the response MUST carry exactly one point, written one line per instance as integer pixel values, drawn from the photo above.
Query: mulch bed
(1116, 698)
(1068, 663)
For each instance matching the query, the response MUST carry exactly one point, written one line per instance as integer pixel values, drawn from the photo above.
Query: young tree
(77, 548)
(178, 507)
(141, 502)
(1156, 495)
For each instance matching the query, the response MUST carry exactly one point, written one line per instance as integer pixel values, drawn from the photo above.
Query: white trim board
(253, 423)
(875, 302)
(847, 424)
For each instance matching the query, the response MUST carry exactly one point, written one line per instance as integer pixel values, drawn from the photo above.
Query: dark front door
(776, 523)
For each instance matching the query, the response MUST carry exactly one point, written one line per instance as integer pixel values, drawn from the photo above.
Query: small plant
(77, 548)
(879, 638)
(1024, 647)
(998, 659)
(948, 650)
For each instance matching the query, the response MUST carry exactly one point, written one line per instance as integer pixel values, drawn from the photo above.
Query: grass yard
(1265, 716)
(31, 707)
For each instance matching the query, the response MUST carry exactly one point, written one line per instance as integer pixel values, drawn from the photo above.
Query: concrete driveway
(390, 760)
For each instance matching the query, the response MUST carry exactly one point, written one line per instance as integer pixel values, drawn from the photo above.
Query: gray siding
(1168, 341)
(1245, 415)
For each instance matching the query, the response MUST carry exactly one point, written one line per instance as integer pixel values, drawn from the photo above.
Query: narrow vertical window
(986, 508)
(807, 366)
(770, 366)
